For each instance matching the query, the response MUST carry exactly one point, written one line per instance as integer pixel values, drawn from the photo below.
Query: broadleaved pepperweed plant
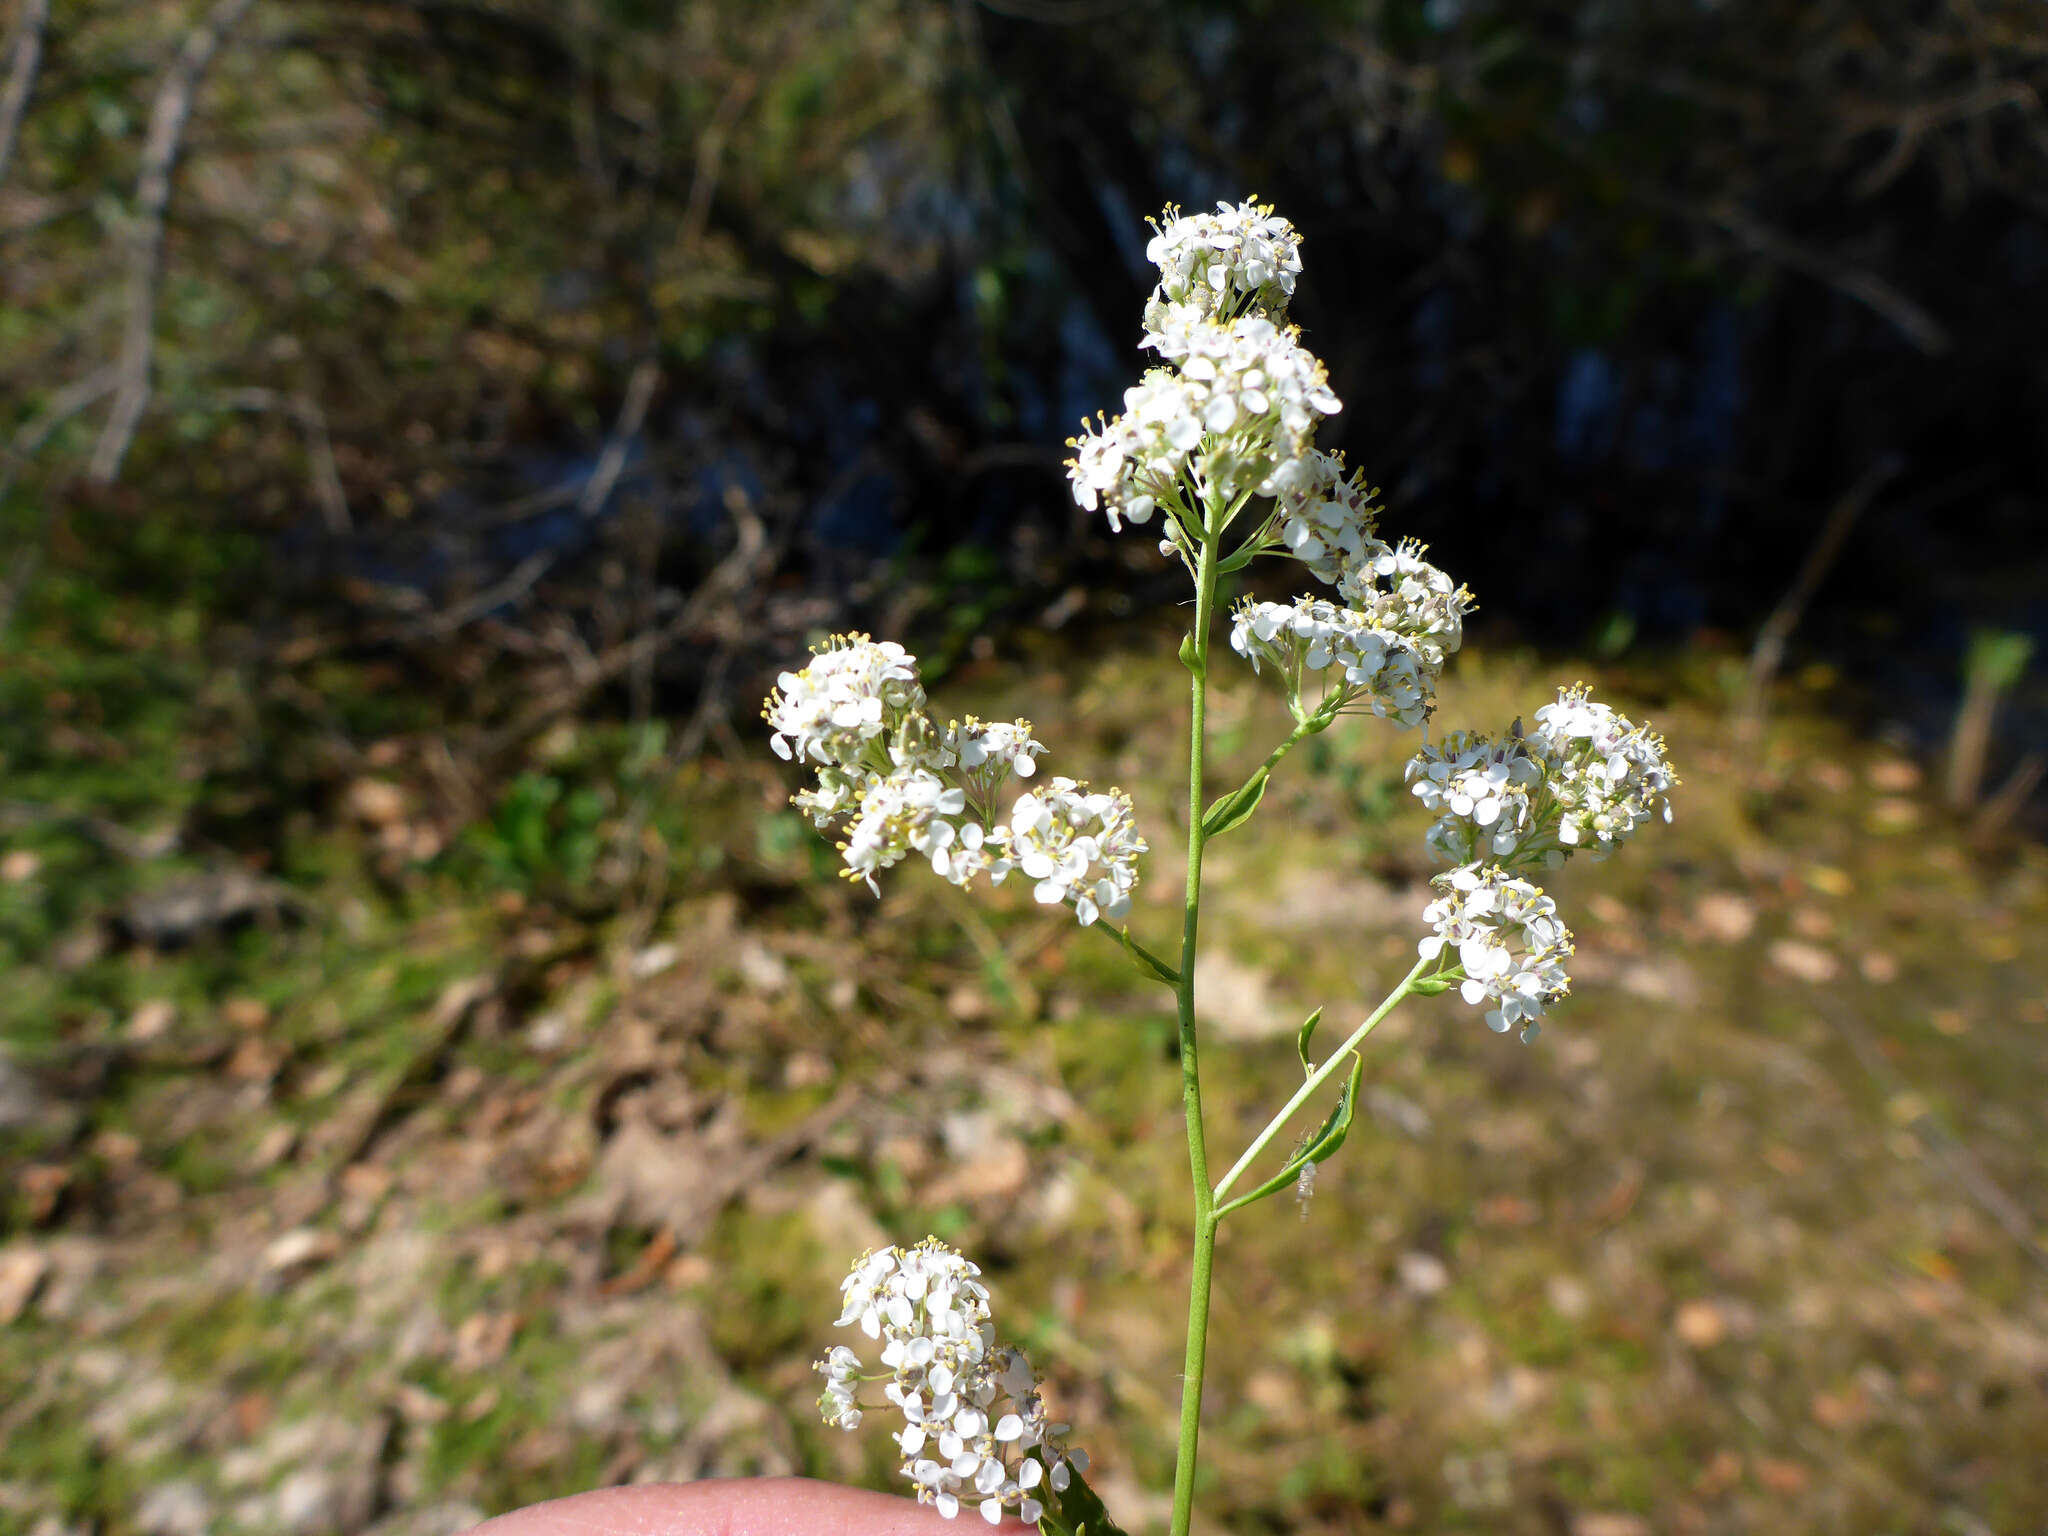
(1215, 449)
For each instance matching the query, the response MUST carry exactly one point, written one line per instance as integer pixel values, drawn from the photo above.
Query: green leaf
(1076, 1512)
(1321, 1147)
(1237, 560)
(1147, 963)
(1301, 1040)
(1235, 808)
(1338, 1126)
(1188, 657)
(1440, 983)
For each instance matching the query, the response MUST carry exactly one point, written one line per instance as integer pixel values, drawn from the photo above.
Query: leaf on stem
(1235, 808)
(1319, 1148)
(1301, 1040)
(1188, 658)
(1338, 1126)
(1239, 559)
(1147, 962)
(1078, 1513)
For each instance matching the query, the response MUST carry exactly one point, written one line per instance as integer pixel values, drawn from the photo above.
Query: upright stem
(1190, 1070)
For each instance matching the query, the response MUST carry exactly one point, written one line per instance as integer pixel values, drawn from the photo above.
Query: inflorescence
(975, 1429)
(1231, 416)
(895, 783)
(1226, 422)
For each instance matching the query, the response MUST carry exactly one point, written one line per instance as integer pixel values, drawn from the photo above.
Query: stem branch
(1321, 1075)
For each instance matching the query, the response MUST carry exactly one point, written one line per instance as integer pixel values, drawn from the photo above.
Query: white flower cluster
(1081, 846)
(1610, 774)
(899, 784)
(1235, 413)
(1404, 593)
(1509, 941)
(1326, 519)
(1582, 780)
(975, 1428)
(1218, 263)
(855, 714)
(1246, 394)
(1484, 793)
(1384, 652)
(1375, 668)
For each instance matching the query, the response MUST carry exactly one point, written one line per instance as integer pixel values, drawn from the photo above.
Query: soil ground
(429, 1190)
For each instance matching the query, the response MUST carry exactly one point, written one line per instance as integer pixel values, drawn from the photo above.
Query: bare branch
(21, 75)
(1858, 283)
(742, 569)
(312, 422)
(711, 156)
(167, 119)
(493, 597)
(632, 413)
(1769, 651)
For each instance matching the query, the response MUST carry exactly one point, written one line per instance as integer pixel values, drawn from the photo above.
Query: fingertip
(788, 1506)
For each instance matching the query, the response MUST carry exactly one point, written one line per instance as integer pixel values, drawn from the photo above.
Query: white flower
(1240, 407)
(1221, 262)
(1405, 594)
(1508, 940)
(896, 816)
(1128, 465)
(1324, 518)
(1485, 794)
(975, 1405)
(1257, 393)
(1363, 666)
(1584, 779)
(1606, 774)
(854, 692)
(1080, 846)
(985, 754)
(856, 715)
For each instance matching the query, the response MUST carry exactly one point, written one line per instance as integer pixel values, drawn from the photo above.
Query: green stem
(1317, 1078)
(1190, 1071)
(1122, 939)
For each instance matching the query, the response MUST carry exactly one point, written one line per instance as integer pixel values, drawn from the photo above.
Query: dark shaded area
(1619, 301)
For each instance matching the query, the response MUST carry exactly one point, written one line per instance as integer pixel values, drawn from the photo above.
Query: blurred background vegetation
(437, 1071)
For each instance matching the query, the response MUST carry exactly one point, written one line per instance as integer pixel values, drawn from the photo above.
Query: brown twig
(1998, 812)
(167, 119)
(1858, 283)
(312, 422)
(711, 156)
(21, 75)
(597, 489)
(732, 575)
(1769, 651)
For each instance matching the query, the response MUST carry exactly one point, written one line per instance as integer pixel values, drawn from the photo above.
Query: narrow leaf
(1235, 808)
(1338, 1126)
(1320, 1147)
(1146, 962)
(1301, 1040)
(1188, 658)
